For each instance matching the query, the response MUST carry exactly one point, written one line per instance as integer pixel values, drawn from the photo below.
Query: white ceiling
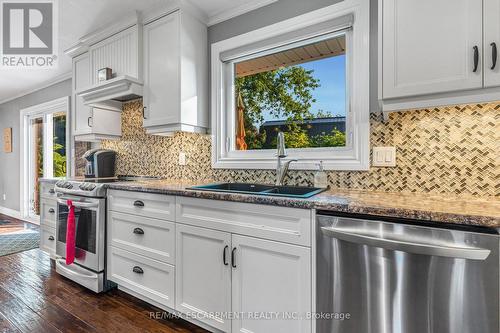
(80, 17)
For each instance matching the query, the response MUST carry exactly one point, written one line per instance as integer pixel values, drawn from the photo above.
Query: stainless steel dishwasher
(384, 277)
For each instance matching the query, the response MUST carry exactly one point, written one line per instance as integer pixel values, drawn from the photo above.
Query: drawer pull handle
(224, 258)
(137, 270)
(51, 238)
(138, 203)
(233, 258)
(52, 191)
(138, 231)
(52, 211)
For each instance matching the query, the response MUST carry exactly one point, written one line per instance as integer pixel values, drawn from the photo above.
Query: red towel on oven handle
(70, 234)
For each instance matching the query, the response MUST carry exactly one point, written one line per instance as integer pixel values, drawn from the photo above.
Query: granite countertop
(426, 207)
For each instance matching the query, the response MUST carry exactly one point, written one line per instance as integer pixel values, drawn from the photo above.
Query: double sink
(261, 189)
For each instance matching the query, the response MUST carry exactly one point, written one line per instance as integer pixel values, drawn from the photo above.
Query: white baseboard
(17, 215)
(10, 212)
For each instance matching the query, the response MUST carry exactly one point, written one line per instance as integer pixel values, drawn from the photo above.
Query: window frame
(355, 155)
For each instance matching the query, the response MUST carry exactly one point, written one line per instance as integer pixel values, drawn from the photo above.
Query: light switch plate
(384, 156)
(182, 158)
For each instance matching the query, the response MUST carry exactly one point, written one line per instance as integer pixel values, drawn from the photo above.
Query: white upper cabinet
(81, 78)
(491, 42)
(432, 46)
(175, 74)
(90, 124)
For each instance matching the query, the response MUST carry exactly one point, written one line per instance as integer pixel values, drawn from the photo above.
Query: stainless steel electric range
(89, 199)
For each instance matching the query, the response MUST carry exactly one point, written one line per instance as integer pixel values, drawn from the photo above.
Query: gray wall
(9, 117)
(261, 17)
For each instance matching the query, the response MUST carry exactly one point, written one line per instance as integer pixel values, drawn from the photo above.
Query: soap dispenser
(320, 177)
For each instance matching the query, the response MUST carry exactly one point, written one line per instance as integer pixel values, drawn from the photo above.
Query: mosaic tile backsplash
(441, 150)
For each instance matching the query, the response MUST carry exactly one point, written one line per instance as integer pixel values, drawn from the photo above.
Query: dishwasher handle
(394, 244)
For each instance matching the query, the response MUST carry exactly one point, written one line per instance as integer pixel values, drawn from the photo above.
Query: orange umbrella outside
(240, 133)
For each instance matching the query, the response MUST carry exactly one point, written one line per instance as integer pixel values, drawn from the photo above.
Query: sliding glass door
(46, 149)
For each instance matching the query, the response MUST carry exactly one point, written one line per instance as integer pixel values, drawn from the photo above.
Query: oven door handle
(61, 264)
(77, 204)
(442, 250)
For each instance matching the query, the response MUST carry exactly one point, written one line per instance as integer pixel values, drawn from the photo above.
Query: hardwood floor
(14, 225)
(34, 298)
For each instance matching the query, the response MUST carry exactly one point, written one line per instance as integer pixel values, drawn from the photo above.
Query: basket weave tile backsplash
(442, 150)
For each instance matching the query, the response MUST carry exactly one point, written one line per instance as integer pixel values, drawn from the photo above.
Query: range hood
(110, 94)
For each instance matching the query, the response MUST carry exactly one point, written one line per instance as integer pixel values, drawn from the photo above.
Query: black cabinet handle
(138, 231)
(224, 259)
(493, 55)
(88, 121)
(233, 258)
(144, 112)
(51, 238)
(476, 58)
(138, 203)
(52, 191)
(52, 211)
(137, 270)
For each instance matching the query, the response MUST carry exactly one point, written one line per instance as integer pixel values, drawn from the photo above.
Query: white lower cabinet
(245, 277)
(270, 278)
(233, 270)
(144, 276)
(203, 279)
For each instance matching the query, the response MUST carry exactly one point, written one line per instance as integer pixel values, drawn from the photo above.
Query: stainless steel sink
(261, 189)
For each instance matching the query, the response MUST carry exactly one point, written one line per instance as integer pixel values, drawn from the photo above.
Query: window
(307, 77)
(300, 91)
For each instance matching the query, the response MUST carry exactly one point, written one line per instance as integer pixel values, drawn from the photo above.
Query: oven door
(89, 234)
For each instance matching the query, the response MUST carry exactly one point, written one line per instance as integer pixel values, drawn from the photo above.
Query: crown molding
(43, 85)
(237, 11)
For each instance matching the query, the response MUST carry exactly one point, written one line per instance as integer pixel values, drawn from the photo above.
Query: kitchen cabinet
(491, 42)
(203, 277)
(48, 216)
(270, 277)
(175, 74)
(231, 259)
(431, 46)
(437, 53)
(89, 123)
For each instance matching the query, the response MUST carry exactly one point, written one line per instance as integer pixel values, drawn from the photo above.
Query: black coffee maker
(100, 163)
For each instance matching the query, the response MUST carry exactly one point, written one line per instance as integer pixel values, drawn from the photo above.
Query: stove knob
(91, 187)
(59, 183)
(82, 187)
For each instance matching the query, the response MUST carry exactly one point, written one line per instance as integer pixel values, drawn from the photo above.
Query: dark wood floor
(14, 225)
(34, 298)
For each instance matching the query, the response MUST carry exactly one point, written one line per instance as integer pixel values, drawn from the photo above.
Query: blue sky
(330, 95)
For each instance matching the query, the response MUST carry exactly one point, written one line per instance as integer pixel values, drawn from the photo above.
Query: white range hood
(112, 93)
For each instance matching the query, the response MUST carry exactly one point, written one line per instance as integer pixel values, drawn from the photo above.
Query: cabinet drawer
(47, 190)
(48, 240)
(144, 204)
(290, 225)
(146, 277)
(145, 236)
(48, 212)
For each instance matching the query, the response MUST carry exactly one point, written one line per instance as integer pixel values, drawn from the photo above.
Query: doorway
(45, 137)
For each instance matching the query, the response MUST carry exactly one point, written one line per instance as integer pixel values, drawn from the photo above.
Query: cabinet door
(270, 277)
(161, 71)
(428, 46)
(203, 280)
(81, 79)
(491, 42)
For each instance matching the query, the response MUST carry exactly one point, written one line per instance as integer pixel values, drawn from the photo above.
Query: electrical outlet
(384, 156)
(182, 158)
